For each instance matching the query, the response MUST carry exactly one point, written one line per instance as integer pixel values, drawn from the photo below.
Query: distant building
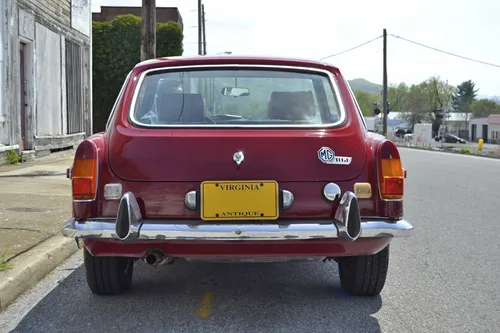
(163, 14)
(45, 75)
(486, 128)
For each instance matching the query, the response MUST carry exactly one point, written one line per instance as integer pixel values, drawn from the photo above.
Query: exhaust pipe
(156, 257)
(348, 216)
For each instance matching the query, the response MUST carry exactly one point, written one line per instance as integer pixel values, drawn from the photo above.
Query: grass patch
(4, 264)
(12, 157)
(465, 151)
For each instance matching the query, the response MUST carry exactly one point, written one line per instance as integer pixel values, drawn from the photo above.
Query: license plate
(239, 200)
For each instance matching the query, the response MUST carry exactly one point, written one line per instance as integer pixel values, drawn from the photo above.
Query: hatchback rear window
(239, 96)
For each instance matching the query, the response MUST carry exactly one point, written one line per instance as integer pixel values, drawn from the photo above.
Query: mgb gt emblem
(327, 156)
(238, 157)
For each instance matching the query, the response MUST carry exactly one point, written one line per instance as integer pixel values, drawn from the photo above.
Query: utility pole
(384, 97)
(148, 30)
(200, 27)
(204, 31)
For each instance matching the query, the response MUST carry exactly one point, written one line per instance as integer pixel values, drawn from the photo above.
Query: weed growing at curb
(12, 157)
(4, 264)
(465, 151)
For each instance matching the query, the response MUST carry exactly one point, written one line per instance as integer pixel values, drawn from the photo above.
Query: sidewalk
(34, 202)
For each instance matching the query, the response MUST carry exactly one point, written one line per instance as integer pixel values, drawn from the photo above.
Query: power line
(353, 48)
(449, 53)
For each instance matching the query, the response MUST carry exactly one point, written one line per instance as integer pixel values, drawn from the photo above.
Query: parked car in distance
(450, 138)
(401, 132)
(232, 158)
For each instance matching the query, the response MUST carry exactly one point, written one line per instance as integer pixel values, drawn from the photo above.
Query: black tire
(364, 275)
(108, 275)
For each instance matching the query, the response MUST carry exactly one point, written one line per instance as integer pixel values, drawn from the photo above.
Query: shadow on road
(294, 297)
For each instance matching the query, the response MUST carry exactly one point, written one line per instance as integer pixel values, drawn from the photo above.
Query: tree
(463, 97)
(396, 94)
(365, 101)
(484, 107)
(115, 51)
(439, 95)
(415, 106)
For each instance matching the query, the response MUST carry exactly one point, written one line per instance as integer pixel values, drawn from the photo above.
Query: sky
(319, 28)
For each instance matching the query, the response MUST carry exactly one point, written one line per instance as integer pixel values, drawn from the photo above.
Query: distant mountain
(374, 88)
(495, 98)
(365, 86)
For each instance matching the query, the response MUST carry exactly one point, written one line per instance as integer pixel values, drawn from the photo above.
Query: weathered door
(24, 104)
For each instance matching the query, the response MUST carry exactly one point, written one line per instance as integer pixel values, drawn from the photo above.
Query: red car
(236, 158)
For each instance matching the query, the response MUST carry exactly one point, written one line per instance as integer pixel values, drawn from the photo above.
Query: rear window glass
(214, 97)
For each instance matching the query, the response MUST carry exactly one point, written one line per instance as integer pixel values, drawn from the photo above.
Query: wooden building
(45, 75)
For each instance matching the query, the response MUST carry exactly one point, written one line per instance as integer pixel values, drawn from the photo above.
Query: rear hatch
(285, 155)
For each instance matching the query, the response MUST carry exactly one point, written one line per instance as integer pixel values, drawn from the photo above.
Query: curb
(31, 267)
(48, 159)
(449, 152)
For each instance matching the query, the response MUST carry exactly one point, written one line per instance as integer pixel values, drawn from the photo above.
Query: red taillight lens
(390, 171)
(84, 180)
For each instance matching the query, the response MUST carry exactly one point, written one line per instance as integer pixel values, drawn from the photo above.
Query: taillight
(84, 172)
(390, 171)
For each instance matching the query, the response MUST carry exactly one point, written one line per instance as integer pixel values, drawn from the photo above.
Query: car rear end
(239, 158)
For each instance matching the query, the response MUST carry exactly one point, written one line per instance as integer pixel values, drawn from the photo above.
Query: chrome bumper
(129, 226)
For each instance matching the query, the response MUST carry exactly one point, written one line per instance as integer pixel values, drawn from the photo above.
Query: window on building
(74, 88)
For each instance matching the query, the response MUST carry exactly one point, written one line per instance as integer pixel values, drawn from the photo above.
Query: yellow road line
(205, 309)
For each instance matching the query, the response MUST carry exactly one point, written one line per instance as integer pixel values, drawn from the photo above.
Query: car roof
(232, 59)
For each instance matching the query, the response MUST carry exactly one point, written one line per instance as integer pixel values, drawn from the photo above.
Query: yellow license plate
(239, 200)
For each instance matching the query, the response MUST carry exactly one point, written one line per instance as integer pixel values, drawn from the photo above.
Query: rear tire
(364, 275)
(108, 275)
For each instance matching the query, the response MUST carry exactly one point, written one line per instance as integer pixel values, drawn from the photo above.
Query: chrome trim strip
(330, 75)
(179, 230)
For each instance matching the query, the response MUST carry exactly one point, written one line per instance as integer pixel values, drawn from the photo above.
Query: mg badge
(238, 157)
(326, 155)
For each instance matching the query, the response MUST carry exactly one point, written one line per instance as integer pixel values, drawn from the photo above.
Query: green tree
(115, 51)
(439, 95)
(365, 101)
(415, 105)
(396, 94)
(484, 107)
(463, 97)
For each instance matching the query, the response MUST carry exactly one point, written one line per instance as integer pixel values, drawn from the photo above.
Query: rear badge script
(327, 156)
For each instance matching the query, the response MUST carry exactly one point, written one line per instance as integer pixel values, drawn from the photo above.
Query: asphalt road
(446, 278)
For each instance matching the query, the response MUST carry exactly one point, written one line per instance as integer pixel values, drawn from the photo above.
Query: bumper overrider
(130, 226)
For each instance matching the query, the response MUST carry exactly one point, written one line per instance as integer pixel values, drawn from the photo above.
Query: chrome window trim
(330, 75)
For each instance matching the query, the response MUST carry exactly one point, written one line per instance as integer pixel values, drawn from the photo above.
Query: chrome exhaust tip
(348, 217)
